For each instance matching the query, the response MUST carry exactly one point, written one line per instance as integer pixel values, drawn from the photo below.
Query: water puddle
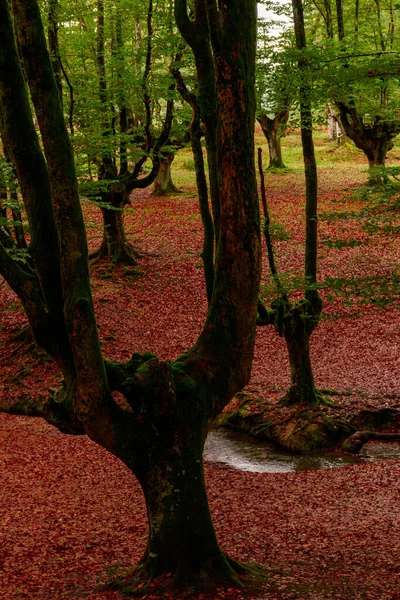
(248, 454)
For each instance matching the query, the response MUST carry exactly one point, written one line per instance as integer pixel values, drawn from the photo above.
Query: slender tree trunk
(163, 184)
(123, 110)
(107, 169)
(302, 317)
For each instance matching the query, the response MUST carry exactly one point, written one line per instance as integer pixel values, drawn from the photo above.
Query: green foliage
(339, 244)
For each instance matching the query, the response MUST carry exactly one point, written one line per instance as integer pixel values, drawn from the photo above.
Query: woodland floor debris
(70, 511)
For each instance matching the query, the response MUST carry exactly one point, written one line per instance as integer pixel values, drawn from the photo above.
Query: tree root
(142, 580)
(355, 442)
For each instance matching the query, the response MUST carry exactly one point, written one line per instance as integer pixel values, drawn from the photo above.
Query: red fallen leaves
(331, 534)
(68, 509)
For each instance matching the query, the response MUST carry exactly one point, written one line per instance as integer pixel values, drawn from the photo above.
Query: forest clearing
(72, 514)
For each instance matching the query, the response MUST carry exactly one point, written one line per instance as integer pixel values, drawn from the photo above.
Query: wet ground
(249, 454)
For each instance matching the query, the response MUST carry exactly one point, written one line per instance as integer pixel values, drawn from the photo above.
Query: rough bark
(273, 129)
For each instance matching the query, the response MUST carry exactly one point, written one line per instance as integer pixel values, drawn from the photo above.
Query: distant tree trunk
(375, 139)
(335, 128)
(123, 109)
(163, 184)
(300, 318)
(273, 129)
(106, 166)
(115, 245)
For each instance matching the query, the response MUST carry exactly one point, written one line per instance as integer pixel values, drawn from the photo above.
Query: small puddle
(249, 454)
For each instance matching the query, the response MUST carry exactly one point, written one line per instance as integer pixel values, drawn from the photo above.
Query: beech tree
(276, 85)
(360, 69)
(296, 320)
(160, 432)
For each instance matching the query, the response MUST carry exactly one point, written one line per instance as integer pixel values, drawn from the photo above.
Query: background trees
(359, 66)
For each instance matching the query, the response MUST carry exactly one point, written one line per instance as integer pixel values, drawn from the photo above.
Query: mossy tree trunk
(298, 325)
(273, 129)
(171, 404)
(297, 320)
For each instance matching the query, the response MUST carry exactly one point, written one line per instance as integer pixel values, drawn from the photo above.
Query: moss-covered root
(309, 397)
(143, 581)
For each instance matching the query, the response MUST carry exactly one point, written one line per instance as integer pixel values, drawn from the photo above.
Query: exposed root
(355, 442)
(124, 255)
(142, 581)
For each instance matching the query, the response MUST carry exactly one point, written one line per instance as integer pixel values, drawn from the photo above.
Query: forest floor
(71, 514)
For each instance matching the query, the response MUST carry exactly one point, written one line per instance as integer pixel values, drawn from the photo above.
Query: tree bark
(115, 246)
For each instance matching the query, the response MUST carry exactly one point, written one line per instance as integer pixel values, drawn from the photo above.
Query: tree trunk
(161, 438)
(302, 387)
(115, 245)
(182, 538)
(374, 139)
(275, 150)
(335, 127)
(163, 185)
(273, 129)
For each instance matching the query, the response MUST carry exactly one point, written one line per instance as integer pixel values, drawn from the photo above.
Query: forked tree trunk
(273, 129)
(375, 139)
(115, 245)
(163, 184)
